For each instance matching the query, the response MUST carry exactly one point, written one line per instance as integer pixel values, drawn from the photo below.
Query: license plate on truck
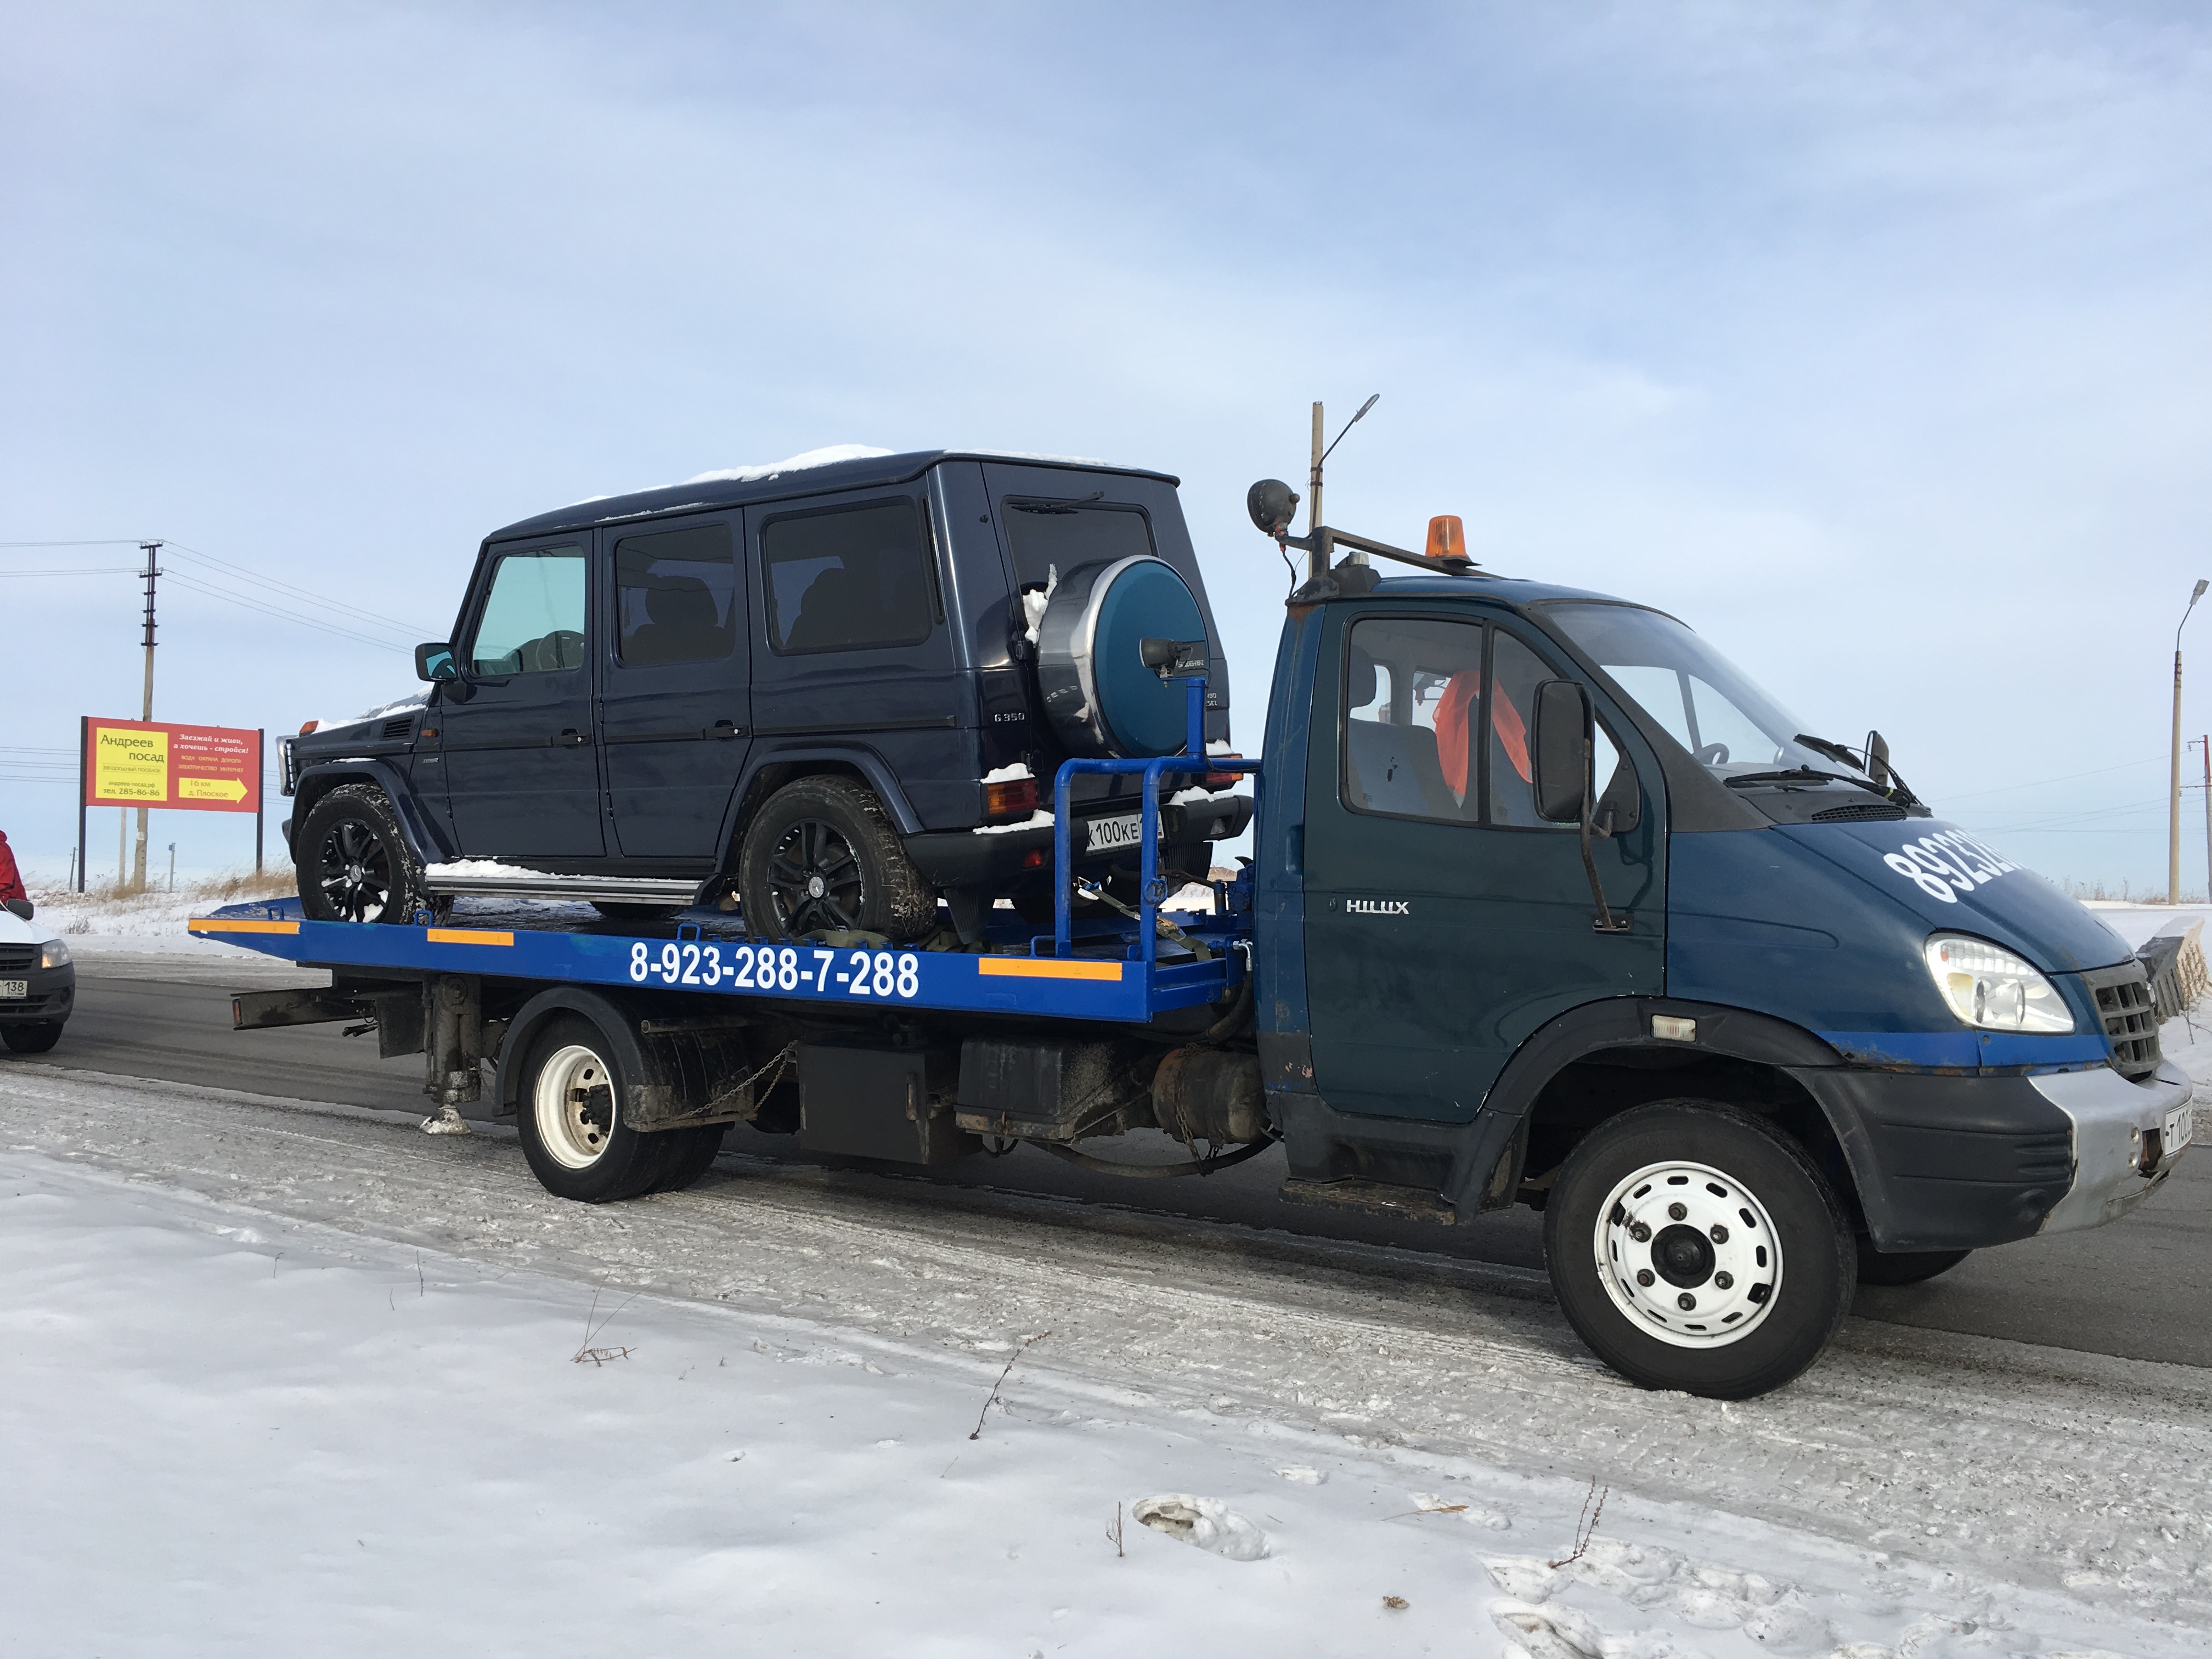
(1109, 834)
(14, 988)
(2180, 1126)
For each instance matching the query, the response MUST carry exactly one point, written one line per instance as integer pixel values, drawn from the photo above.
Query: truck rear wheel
(568, 1114)
(823, 854)
(353, 862)
(1696, 1247)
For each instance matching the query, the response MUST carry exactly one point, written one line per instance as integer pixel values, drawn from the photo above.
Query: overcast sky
(1871, 340)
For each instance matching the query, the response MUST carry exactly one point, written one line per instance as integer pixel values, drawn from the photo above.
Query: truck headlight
(1987, 986)
(53, 954)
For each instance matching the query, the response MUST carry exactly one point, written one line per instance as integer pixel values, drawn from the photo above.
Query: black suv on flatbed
(834, 693)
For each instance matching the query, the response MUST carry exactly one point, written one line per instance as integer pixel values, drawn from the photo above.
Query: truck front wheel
(1696, 1247)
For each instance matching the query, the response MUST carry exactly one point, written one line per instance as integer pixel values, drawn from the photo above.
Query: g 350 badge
(1946, 864)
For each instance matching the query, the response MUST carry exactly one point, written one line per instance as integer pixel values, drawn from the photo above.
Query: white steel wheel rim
(1720, 1254)
(574, 1106)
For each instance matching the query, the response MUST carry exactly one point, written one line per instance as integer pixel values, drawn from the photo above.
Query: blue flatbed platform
(1107, 973)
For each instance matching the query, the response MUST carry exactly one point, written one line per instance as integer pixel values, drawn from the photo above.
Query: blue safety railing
(1193, 759)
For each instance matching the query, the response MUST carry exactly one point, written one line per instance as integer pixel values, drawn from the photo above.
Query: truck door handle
(572, 739)
(722, 729)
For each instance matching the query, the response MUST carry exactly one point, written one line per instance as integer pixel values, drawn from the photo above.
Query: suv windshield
(1705, 702)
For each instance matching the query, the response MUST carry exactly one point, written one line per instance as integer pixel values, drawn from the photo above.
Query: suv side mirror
(23, 908)
(435, 662)
(1561, 751)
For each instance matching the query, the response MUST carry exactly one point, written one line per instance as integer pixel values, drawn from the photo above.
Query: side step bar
(1375, 1198)
(615, 890)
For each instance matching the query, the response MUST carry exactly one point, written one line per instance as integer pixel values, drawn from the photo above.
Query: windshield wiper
(1832, 750)
(1795, 774)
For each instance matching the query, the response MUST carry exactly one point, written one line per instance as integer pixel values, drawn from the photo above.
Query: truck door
(673, 704)
(521, 770)
(1444, 920)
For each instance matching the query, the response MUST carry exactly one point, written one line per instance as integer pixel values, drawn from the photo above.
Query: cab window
(675, 596)
(852, 579)
(1412, 697)
(1421, 735)
(533, 617)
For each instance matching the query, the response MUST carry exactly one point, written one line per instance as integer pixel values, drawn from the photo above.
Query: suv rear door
(674, 705)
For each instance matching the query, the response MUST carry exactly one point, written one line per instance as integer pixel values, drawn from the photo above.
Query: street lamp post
(2173, 796)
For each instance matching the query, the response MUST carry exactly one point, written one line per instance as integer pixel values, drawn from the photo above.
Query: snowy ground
(289, 1379)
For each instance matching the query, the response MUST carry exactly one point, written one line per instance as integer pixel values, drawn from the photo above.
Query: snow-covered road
(2040, 1496)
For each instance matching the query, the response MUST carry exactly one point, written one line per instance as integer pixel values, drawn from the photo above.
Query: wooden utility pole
(138, 861)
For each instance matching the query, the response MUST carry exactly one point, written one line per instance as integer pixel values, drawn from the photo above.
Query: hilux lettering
(1378, 907)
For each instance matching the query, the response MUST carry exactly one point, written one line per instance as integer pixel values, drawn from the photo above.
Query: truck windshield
(1704, 703)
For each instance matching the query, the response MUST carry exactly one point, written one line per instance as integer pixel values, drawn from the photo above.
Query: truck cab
(1724, 1001)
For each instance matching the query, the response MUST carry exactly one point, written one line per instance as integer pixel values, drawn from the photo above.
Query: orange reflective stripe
(218, 925)
(465, 936)
(1045, 968)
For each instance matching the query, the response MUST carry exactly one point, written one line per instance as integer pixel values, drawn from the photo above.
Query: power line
(251, 604)
(96, 570)
(346, 608)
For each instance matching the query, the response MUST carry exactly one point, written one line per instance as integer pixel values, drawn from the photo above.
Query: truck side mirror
(23, 908)
(1560, 750)
(435, 662)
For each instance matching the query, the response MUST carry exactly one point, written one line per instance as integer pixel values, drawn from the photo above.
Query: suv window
(1046, 536)
(674, 593)
(533, 617)
(852, 579)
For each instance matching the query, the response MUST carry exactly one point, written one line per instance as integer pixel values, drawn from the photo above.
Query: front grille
(14, 958)
(398, 728)
(2130, 1021)
(1867, 812)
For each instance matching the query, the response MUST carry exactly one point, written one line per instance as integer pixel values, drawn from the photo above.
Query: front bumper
(2118, 1153)
(52, 995)
(1963, 1161)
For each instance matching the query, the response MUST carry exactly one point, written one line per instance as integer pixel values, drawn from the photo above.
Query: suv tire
(822, 854)
(353, 862)
(1694, 1246)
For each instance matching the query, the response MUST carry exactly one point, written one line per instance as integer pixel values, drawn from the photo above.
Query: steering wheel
(1713, 754)
(563, 648)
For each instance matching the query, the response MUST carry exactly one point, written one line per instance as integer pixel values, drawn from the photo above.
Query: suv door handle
(572, 739)
(722, 729)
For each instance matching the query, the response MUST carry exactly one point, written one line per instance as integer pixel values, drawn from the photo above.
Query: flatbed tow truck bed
(1108, 974)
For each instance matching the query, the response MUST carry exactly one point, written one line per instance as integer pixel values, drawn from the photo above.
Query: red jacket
(11, 882)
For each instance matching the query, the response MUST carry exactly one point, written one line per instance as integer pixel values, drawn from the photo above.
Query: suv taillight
(1018, 795)
(1224, 780)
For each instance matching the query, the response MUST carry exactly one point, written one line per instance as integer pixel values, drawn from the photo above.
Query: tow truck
(1547, 904)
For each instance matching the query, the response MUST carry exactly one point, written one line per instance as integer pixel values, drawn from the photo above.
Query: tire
(1762, 1243)
(1904, 1267)
(823, 854)
(689, 1154)
(353, 861)
(32, 1037)
(581, 1148)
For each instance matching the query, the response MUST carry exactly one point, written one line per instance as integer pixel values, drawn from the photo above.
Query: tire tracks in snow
(2076, 1471)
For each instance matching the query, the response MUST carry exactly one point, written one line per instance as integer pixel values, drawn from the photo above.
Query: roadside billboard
(147, 763)
(192, 769)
